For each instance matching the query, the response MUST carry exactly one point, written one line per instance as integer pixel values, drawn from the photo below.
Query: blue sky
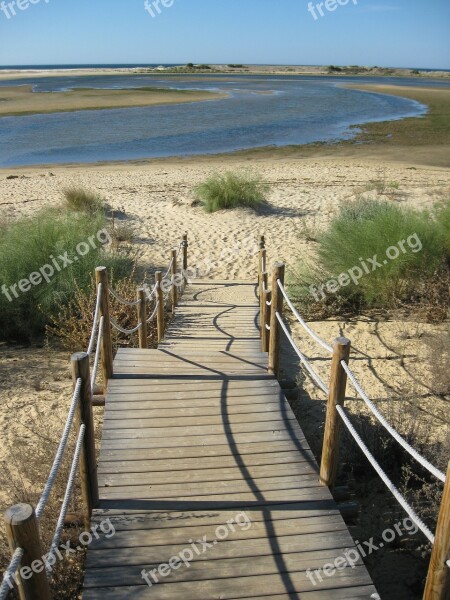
(412, 33)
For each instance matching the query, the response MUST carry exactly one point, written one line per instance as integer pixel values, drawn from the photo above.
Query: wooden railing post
(438, 580)
(185, 247)
(262, 282)
(142, 317)
(22, 530)
(101, 276)
(333, 424)
(267, 296)
(262, 242)
(174, 275)
(275, 327)
(160, 309)
(84, 416)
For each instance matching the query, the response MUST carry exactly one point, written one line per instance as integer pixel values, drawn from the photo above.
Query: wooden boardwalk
(202, 458)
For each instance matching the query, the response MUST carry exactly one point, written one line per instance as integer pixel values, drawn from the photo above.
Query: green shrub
(44, 259)
(81, 200)
(364, 229)
(231, 190)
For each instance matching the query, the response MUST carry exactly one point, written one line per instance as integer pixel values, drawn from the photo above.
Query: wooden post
(262, 242)
(438, 580)
(174, 275)
(262, 281)
(22, 530)
(142, 318)
(333, 424)
(275, 327)
(160, 309)
(185, 258)
(84, 416)
(101, 276)
(267, 296)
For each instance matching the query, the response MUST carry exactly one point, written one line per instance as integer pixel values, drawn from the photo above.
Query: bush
(81, 200)
(363, 229)
(50, 256)
(231, 190)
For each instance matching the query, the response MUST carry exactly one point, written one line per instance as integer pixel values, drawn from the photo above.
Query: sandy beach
(17, 101)
(157, 198)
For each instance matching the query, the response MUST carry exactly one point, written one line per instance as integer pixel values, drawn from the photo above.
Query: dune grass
(44, 259)
(411, 249)
(80, 200)
(232, 190)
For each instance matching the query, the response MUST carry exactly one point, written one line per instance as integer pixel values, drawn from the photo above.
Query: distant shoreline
(216, 70)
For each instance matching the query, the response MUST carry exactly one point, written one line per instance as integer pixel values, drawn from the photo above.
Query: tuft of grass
(80, 200)
(30, 244)
(364, 229)
(232, 190)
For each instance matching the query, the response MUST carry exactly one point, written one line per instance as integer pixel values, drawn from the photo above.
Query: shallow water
(259, 111)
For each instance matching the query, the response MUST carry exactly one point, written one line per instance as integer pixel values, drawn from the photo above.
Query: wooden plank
(263, 546)
(249, 531)
(239, 452)
(236, 587)
(227, 429)
(181, 409)
(236, 489)
(219, 569)
(153, 465)
(196, 475)
(215, 501)
(220, 420)
(158, 519)
(231, 442)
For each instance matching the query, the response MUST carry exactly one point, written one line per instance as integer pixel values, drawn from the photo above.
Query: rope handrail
(302, 357)
(153, 315)
(423, 461)
(10, 572)
(305, 326)
(168, 269)
(123, 300)
(60, 452)
(151, 293)
(68, 494)
(97, 354)
(122, 330)
(391, 487)
(94, 327)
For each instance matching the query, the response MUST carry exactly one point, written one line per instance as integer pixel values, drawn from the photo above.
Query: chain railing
(272, 326)
(22, 520)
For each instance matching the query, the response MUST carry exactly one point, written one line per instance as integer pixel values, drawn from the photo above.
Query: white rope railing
(97, 354)
(267, 327)
(13, 566)
(69, 489)
(305, 326)
(123, 300)
(153, 315)
(420, 459)
(60, 452)
(122, 330)
(302, 357)
(168, 269)
(391, 487)
(151, 293)
(94, 327)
